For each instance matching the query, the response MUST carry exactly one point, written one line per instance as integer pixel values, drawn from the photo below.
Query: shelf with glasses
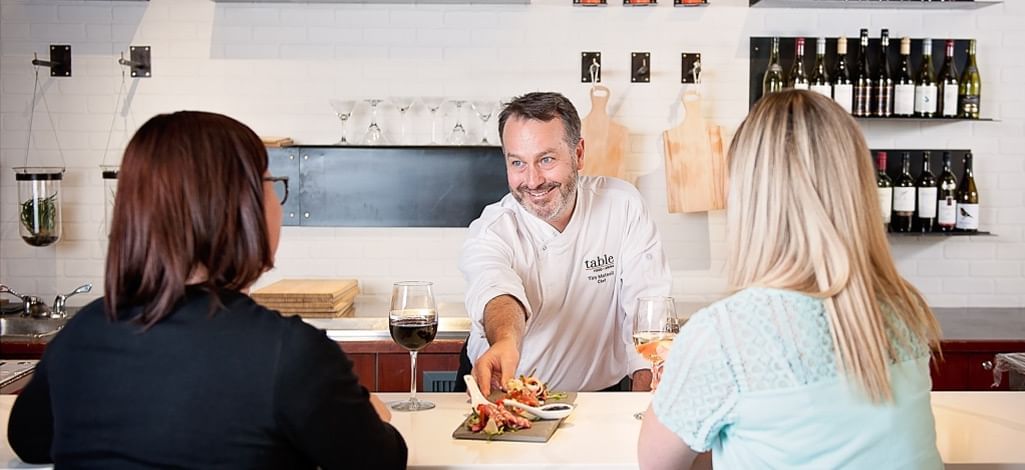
(877, 4)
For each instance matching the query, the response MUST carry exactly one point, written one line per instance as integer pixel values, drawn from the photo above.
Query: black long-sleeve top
(243, 387)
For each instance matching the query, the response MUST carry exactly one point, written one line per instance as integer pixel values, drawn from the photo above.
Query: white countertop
(975, 430)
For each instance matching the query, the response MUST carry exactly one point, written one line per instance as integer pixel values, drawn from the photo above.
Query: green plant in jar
(39, 217)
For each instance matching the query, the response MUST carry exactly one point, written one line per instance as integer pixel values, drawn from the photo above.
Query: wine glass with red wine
(413, 322)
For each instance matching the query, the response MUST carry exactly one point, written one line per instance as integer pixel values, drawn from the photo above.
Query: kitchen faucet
(35, 307)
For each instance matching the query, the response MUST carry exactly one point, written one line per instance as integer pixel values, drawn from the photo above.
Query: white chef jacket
(579, 287)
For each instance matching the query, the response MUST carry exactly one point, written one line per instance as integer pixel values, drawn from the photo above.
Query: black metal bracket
(590, 67)
(640, 67)
(640, 3)
(60, 60)
(139, 61)
(690, 67)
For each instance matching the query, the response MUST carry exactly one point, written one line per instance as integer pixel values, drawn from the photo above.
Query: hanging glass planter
(109, 192)
(39, 204)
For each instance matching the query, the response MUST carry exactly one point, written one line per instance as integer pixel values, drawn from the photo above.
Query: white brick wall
(274, 66)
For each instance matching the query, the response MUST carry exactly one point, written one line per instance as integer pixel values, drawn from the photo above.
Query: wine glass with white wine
(655, 326)
(413, 322)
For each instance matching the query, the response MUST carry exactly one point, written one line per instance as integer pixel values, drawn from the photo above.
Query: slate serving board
(540, 431)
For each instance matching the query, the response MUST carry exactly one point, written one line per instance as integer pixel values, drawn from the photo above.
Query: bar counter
(974, 431)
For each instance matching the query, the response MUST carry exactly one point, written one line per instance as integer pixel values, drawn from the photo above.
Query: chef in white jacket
(555, 268)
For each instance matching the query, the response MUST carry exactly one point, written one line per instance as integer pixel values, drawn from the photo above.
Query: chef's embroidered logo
(600, 268)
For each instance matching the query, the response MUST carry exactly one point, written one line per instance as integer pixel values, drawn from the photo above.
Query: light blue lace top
(754, 378)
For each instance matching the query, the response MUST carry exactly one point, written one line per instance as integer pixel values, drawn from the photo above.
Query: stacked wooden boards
(316, 298)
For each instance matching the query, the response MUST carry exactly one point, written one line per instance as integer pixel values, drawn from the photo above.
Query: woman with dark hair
(176, 366)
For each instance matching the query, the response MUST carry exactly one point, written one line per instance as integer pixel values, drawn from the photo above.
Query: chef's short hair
(544, 106)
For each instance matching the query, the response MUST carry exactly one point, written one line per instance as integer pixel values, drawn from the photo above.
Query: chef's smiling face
(542, 168)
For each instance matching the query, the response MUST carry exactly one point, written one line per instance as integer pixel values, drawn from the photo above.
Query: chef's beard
(551, 210)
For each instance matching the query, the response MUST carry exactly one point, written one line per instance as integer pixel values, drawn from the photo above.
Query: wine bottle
(863, 80)
(819, 76)
(925, 220)
(798, 79)
(967, 200)
(925, 86)
(884, 189)
(948, 84)
(773, 80)
(970, 92)
(883, 92)
(843, 89)
(903, 197)
(904, 88)
(946, 212)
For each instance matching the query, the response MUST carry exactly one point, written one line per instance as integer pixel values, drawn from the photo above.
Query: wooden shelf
(878, 4)
(921, 119)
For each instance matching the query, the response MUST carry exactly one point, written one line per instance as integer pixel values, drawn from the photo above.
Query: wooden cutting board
(347, 297)
(605, 141)
(695, 163)
(540, 431)
(306, 290)
(347, 311)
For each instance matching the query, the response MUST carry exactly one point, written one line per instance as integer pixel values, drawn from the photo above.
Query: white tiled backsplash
(274, 66)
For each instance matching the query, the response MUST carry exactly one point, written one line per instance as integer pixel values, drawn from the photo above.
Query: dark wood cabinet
(382, 366)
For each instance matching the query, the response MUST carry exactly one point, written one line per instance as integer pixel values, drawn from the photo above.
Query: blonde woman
(820, 358)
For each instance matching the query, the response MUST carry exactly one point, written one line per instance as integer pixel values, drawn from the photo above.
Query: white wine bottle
(925, 216)
(903, 197)
(773, 80)
(863, 80)
(819, 76)
(925, 86)
(967, 199)
(904, 87)
(798, 79)
(948, 84)
(883, 91)
(843, 89)
(884, 189)
(946, 203)
(970, 93)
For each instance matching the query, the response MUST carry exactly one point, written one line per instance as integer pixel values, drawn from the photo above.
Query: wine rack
(893, 169)
(761, 47)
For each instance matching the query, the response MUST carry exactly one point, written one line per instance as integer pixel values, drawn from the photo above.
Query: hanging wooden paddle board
(695, 166)
(605, 141)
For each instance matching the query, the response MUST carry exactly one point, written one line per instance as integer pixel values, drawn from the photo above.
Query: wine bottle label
(925, 99)
(903, 199)
(949, 101)
(844, 96)
(967, 216)
(904, 100)
(883, 98)
(970, 99)
(947, 212)
(926, 203)
(801, 85)
(885, 202)
(824, 90)
(861, 100)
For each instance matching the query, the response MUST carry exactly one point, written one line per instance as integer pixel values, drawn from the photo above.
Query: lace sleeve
(699, 389)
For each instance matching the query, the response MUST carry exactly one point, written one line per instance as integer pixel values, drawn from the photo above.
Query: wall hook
(60, 60)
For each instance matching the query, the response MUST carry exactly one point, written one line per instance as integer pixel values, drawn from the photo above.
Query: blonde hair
(802, 215)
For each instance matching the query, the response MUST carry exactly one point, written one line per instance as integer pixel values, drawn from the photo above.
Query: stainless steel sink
(30, 328)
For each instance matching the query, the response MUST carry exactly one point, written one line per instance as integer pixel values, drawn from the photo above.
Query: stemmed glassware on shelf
(433, 104)
(654, 328)
(457, 136)
(374, 134)
(403, 103)
(484, 110)
(413, 322)
(343, 109)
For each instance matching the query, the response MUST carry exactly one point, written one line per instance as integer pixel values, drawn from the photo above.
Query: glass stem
(412, 376)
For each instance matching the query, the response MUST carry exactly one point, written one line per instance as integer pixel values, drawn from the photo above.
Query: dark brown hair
(544, 106)
(189, 195)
